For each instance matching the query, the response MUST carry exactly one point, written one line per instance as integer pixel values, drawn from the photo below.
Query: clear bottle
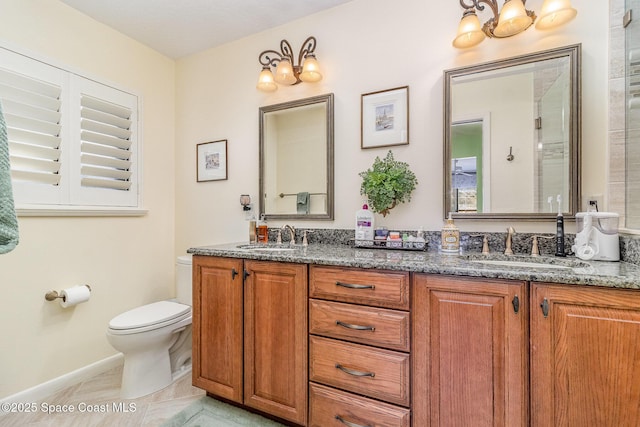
(420, 242)
(450, 239)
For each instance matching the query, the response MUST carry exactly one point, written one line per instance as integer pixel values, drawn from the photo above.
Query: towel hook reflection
(510, 157)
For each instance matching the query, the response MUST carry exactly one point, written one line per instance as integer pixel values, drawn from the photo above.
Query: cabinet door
(469, 352)
(217, 326)
(275, 342)
(585, 356)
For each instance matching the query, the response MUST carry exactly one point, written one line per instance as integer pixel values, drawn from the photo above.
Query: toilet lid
(150, 314)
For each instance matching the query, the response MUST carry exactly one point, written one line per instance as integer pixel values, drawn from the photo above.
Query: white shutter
(105, 128)
(33, 127)
(31, 93)
(107, 145)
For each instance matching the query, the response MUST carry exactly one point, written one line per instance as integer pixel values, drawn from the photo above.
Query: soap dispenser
(450, 239)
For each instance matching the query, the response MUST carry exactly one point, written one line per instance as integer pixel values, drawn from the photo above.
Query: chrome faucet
(292, 231)
(510, 233)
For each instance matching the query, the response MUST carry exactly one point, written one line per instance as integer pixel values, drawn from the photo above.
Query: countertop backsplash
(470, 242)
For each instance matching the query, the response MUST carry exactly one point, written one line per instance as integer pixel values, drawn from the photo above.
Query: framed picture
(384, 119)
(211, 161)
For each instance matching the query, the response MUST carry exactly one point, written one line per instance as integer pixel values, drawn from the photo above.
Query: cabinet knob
(545, 307)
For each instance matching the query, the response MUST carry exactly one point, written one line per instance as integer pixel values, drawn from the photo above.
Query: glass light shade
(310, 70)
(265, 80)
(284, 72)
(469, 31)
(513, 19)
(555, 13)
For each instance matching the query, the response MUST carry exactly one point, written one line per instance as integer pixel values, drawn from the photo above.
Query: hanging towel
(8, 220)
(302, 203)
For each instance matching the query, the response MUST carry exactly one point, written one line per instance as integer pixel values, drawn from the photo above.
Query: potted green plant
(387, 183)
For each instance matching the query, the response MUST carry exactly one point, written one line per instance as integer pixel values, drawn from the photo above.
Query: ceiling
(177, 28)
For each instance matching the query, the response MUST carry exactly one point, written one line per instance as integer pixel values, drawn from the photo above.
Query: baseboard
(46, 389)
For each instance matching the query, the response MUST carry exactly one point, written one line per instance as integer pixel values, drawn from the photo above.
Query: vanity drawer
(366, 325)
(328, 406)
(382, 374)
(388, 289)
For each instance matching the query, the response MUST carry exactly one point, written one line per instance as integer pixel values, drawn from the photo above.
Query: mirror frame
(573, 52)
(328, 100)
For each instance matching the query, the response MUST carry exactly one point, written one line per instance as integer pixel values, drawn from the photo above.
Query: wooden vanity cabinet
(469, 352)
(359, 363)
(250, 321)
(585, 356)
(217, 331)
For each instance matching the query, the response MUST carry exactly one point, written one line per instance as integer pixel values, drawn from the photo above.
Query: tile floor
(96, 403)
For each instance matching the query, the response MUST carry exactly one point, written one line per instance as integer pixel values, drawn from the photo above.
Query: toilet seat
(149, 317)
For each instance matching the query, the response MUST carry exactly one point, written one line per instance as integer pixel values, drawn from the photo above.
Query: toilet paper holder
(53, 295)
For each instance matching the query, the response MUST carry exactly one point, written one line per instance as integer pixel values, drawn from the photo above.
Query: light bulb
(265, 80)
(555, 13)
(310, 70)
(469, 31)
(513, 19)
(284, 72)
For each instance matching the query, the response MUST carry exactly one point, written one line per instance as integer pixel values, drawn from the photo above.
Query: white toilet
(155, 339)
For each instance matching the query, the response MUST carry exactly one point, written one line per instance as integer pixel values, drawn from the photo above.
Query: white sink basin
(523, 264)
(522, 261)
(265, 248)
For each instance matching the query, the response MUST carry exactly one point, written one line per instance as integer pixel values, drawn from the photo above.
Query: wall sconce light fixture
(289, 72)
(245, 201)
(511, 20)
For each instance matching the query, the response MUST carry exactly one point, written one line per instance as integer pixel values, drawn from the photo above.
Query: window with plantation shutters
(72, 141)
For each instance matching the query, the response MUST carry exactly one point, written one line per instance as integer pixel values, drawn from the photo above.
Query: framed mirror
(296, 159)
(512, 137)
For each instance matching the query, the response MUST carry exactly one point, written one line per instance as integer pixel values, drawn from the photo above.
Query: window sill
(77, 211)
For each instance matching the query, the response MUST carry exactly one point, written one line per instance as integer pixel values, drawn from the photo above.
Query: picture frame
(211, 161)
(384, 119)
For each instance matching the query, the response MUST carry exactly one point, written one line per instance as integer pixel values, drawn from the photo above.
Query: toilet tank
(183, 279)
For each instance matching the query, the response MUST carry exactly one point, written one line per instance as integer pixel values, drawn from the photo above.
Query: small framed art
(211, 161)
(384, 119)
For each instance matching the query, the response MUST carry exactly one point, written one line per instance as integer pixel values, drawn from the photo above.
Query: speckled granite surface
(470, 262)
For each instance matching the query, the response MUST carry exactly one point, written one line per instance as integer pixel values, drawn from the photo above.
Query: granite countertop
(568, 270)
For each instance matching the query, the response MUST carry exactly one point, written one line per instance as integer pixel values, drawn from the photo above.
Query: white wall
(363, 46)
(127, 261)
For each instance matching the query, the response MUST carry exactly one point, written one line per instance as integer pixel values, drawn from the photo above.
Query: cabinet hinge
(516, 304)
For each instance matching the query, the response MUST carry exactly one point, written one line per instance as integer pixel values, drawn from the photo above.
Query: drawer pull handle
(354, 286)
(355, 373)
(356, 327)
(349, 424)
